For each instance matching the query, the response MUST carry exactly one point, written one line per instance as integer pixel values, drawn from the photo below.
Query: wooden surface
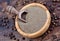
(52, 34)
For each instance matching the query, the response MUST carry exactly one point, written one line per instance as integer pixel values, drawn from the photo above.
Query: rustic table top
(8, 31)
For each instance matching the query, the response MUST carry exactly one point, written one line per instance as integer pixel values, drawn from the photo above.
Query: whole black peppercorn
(54, 36)
(23, 38)
(10, 34)
(10, 37)
(17, 40)
(58, 39)
(14, 38)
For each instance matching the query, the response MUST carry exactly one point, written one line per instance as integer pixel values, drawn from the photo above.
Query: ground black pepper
(51, 9)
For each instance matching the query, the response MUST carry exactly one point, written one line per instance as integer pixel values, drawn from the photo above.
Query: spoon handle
(11, 10)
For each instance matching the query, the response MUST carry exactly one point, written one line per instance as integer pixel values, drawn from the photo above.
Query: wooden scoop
(38, 18)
